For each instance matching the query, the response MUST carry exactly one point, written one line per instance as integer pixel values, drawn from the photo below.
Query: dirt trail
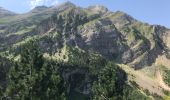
(161, 82)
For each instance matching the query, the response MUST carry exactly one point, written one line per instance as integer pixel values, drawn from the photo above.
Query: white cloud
(34, 3)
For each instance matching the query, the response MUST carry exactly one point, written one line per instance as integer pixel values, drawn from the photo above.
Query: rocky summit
(73, 53)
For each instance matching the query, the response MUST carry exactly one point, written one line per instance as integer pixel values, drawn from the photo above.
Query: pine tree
(23, 74)
(33, 77)
(104, 87)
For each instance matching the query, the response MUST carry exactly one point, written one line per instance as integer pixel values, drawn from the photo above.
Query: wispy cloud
(34, 3)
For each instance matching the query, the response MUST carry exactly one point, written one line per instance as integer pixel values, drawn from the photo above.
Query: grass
(24, 41)
(3, 21)
(6, 20)
(145, 29)
(19, 32)
(27, 29)
(132, 36)
(91, 22)
(116, 15)
(1, 31)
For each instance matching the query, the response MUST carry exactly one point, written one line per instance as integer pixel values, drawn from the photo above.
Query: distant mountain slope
(4, 13)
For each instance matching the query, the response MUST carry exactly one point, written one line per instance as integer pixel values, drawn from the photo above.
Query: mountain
(4, 13)
(39, 9)
(90, 46)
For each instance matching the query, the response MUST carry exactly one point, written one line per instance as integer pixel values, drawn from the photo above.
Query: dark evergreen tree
(23, 74)
(104, 87)
(33, 77)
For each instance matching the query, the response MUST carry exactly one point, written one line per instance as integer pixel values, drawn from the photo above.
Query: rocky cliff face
(115, 35)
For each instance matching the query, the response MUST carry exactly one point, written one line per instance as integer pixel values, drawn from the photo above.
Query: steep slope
(116, 36)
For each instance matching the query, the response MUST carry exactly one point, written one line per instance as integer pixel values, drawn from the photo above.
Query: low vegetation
(34, 77)
(167, 76)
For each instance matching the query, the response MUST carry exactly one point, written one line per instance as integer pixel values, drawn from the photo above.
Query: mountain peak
(63, 6)
(39, 9)
(69, 3)
(66, 4)
(98, 8)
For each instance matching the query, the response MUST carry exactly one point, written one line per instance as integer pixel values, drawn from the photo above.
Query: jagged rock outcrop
(102, 36)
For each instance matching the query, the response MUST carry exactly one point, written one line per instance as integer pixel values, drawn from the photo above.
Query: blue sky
(150, 11)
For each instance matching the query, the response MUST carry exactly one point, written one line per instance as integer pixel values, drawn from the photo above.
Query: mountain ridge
(123, 22)
(80, 35)
(70, 4)
(4, 12)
